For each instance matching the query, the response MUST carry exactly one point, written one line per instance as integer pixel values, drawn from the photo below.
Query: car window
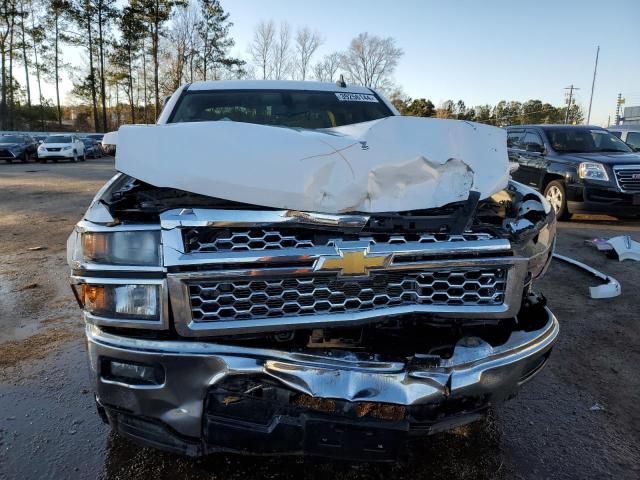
(532, 138)
(298, 109)
(633, 139)
(514, 139)
(617, 134)
(584, 140)
(11, 139)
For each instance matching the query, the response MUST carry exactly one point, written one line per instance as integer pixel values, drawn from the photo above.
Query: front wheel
(74, 159)
(84, 157)
(555, 194)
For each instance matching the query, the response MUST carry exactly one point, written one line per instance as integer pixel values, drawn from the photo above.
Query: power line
(593, 84)
(571, 88)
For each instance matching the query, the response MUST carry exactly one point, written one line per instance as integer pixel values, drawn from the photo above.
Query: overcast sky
(479, 51)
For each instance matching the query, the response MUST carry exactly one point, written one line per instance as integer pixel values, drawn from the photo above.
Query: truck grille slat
(243, 299)
(209, 240)
(628, 178)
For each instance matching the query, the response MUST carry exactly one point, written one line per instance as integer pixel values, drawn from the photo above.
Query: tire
(556, 195)
(75, 157)
(84, 157)
(26, 157)
(42, 160)
(8, 160)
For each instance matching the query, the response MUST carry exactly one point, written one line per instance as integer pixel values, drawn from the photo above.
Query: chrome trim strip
(174, 251)
(200, 217)
(161, 324)
(85, 226)
(522, 343)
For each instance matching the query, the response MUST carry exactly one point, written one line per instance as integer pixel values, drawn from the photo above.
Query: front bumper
(600, 199)
(348, 404)
(62, 155)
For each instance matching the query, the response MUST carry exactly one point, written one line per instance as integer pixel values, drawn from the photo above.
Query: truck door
(515, 149)
(533, 159)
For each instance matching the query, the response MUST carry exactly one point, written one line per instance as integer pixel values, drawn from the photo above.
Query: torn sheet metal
(609, 289)
(392, 164)
(625, 248)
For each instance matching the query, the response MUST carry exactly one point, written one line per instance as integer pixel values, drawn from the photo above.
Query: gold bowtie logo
(353, 261)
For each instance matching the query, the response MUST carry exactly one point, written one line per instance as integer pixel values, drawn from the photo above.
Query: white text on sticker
(356, 97)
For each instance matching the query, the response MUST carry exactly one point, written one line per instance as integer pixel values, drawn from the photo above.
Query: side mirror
(534, 147)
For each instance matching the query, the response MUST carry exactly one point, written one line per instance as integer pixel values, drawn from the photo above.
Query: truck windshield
(298, 109)
(584, 140)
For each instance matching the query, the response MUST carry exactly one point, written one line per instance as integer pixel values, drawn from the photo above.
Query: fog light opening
(132, 373)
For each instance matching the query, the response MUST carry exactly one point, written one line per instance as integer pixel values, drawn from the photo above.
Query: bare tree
(282, 53)
(371, 60)
(307, 42)
(262, 47)
(325, 70)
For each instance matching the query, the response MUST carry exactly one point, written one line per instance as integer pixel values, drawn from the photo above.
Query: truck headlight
(140, 247)
(140, 302)
(593, 171)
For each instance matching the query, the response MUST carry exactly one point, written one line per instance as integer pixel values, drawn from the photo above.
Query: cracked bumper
(193, 411)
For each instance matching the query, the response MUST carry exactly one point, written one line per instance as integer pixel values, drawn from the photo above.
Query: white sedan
(61, 147)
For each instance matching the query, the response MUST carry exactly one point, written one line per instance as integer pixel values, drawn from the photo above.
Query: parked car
(92, 148)
(62, 147)
(287, 275)
(96, 136)
(580, 169)
(629, 134)
(17, 147)
(109, 142)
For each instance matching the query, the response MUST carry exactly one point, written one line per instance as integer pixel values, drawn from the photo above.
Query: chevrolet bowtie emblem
(353, 260)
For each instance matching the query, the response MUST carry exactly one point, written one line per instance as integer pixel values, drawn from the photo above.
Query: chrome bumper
(475, 371)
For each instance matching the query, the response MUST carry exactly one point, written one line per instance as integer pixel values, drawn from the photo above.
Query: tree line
(134, 53)
(501, 114)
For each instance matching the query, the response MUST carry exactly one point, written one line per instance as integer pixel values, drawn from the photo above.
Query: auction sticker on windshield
(356, 97)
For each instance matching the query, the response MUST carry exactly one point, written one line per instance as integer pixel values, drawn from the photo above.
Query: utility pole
(571, 88)
(593, 84)
(619, 103)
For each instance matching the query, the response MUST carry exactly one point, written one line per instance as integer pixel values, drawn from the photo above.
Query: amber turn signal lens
(93, 297)
(94, 245)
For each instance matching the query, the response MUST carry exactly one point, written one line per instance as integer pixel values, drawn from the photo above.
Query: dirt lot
(580, 418)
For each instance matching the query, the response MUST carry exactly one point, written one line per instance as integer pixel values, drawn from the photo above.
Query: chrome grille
(628, 177)
(244, 299)
(202, 240)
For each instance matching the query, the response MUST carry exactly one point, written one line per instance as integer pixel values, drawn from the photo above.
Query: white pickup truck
(292, 267)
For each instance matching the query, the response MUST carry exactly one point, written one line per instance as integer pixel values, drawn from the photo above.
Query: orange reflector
(94, 246)
(93, 297)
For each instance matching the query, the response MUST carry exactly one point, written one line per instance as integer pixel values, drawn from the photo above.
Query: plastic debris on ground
(609, 289)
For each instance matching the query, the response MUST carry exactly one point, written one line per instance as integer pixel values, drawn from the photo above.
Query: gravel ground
(580, 418)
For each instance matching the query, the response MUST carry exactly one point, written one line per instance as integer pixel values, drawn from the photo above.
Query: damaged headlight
(140, 302)
(140, 248)
(593, 171)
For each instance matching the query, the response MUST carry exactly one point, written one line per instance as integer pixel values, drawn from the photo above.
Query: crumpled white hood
(392, 164)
